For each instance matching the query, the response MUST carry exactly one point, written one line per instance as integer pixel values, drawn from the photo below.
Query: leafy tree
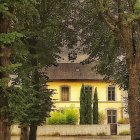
(7, 37)
(95, 108)
(114, 40)
(127, 34)
(43, 30)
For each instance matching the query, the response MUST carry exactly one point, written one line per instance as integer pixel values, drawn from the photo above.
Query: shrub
(68, 116)
(123, 121)
(71, 115)
(57, 118)
(101, 118)
(124, 133)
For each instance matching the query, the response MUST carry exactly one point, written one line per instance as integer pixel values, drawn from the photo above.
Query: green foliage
(4, 9)
(68, 116)
(137, 6)
(9, 37)
(88, 106)
(42, 33)
(85, 106)
(34, 30)
(57, 118)
(82, 106)
(72, 115)
(95, 108)
(102, 44)
(29, 106)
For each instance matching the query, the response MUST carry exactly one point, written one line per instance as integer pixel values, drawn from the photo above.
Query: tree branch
(106, 15)
(109, 24)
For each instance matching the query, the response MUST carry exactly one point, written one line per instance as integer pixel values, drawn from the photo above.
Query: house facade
(67, 79)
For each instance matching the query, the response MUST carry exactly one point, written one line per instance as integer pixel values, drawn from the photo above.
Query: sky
(64, 55)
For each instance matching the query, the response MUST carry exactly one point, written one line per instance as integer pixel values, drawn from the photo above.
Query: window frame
(111, 116)
(86, 86)
(61, 97)
(111, 94)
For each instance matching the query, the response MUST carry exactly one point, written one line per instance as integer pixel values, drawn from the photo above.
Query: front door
(112, 120)
(113, 129)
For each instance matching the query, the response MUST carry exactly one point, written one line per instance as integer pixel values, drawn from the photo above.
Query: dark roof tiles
(73, 71)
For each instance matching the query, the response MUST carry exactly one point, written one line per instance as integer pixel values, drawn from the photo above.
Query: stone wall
(74, 129)
(68, 130)
(123, 127)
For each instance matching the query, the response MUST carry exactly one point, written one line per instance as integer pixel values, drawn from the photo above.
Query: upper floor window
(88, 89)
(111, 93)
(65, 93)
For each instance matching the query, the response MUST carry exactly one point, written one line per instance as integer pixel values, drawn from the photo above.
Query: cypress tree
(82, 106)
(85, 105)
(88, 106)
(95, 107)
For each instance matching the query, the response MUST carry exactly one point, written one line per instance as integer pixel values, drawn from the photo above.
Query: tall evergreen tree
(82, 106)
(88, 106)
(85, 105)
(95, 107)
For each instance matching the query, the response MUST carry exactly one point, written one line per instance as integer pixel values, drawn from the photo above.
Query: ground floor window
(111, 116)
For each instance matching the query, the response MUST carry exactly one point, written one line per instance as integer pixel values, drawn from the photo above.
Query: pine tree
(95, 107)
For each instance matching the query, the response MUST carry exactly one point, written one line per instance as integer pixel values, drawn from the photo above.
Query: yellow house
(67, 79)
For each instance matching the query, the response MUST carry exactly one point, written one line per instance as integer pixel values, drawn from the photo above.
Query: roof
(73, 71)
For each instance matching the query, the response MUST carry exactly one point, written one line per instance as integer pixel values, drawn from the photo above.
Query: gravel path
(81, 138)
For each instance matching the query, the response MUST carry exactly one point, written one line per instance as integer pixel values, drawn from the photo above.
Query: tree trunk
(33, 132)
(4, 124)
(24, 133)
(133, 103)
(5, 52)
(35, 82)
(133, 66)
(4, 131)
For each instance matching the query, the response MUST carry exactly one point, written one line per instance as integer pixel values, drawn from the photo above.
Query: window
(111, 116)
(65, 94)
(88, 89)
(111, 93)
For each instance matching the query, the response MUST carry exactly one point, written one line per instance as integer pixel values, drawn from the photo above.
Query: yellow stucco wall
(75, 88)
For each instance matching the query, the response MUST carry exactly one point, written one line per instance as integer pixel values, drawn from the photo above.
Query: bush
(68, 116)
(72, 115)
(101, 118)
(56, 118)
(123, 121)
(124, 133)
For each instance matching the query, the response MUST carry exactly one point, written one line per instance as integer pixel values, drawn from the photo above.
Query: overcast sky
(64, 55)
